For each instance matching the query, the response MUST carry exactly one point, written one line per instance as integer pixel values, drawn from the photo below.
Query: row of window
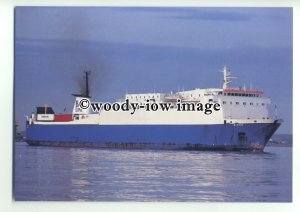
(136, 97)
(244, 103)
(241, 94)
(220, 93)
(186, 95)
(230, 94)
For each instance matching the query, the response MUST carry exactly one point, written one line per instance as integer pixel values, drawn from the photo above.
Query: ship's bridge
(243, 92)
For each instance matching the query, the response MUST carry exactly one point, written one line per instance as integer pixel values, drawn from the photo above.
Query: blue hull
(194, 137)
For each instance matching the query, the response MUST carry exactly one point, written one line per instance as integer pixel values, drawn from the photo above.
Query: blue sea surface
(87, 174)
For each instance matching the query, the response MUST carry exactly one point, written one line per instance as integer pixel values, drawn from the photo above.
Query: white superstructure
(237, 106)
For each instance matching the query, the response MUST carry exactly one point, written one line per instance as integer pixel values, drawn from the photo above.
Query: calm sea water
(84, 174)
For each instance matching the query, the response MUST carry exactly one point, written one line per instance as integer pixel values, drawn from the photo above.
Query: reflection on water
(49, 173)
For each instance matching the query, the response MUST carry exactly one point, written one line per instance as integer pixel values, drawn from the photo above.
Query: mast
(87, 73)
(227, 77)
(83, 96)
(86, 92)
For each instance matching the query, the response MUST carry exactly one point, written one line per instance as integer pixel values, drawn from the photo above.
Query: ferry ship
(243, 122)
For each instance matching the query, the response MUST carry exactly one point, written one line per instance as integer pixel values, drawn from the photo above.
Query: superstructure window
(237, 103)
(262, 104)
(224, 102)
(251, 103)
(231, 103)
(244, 103)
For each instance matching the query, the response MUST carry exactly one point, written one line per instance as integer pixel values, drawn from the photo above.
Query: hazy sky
(149, 49)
